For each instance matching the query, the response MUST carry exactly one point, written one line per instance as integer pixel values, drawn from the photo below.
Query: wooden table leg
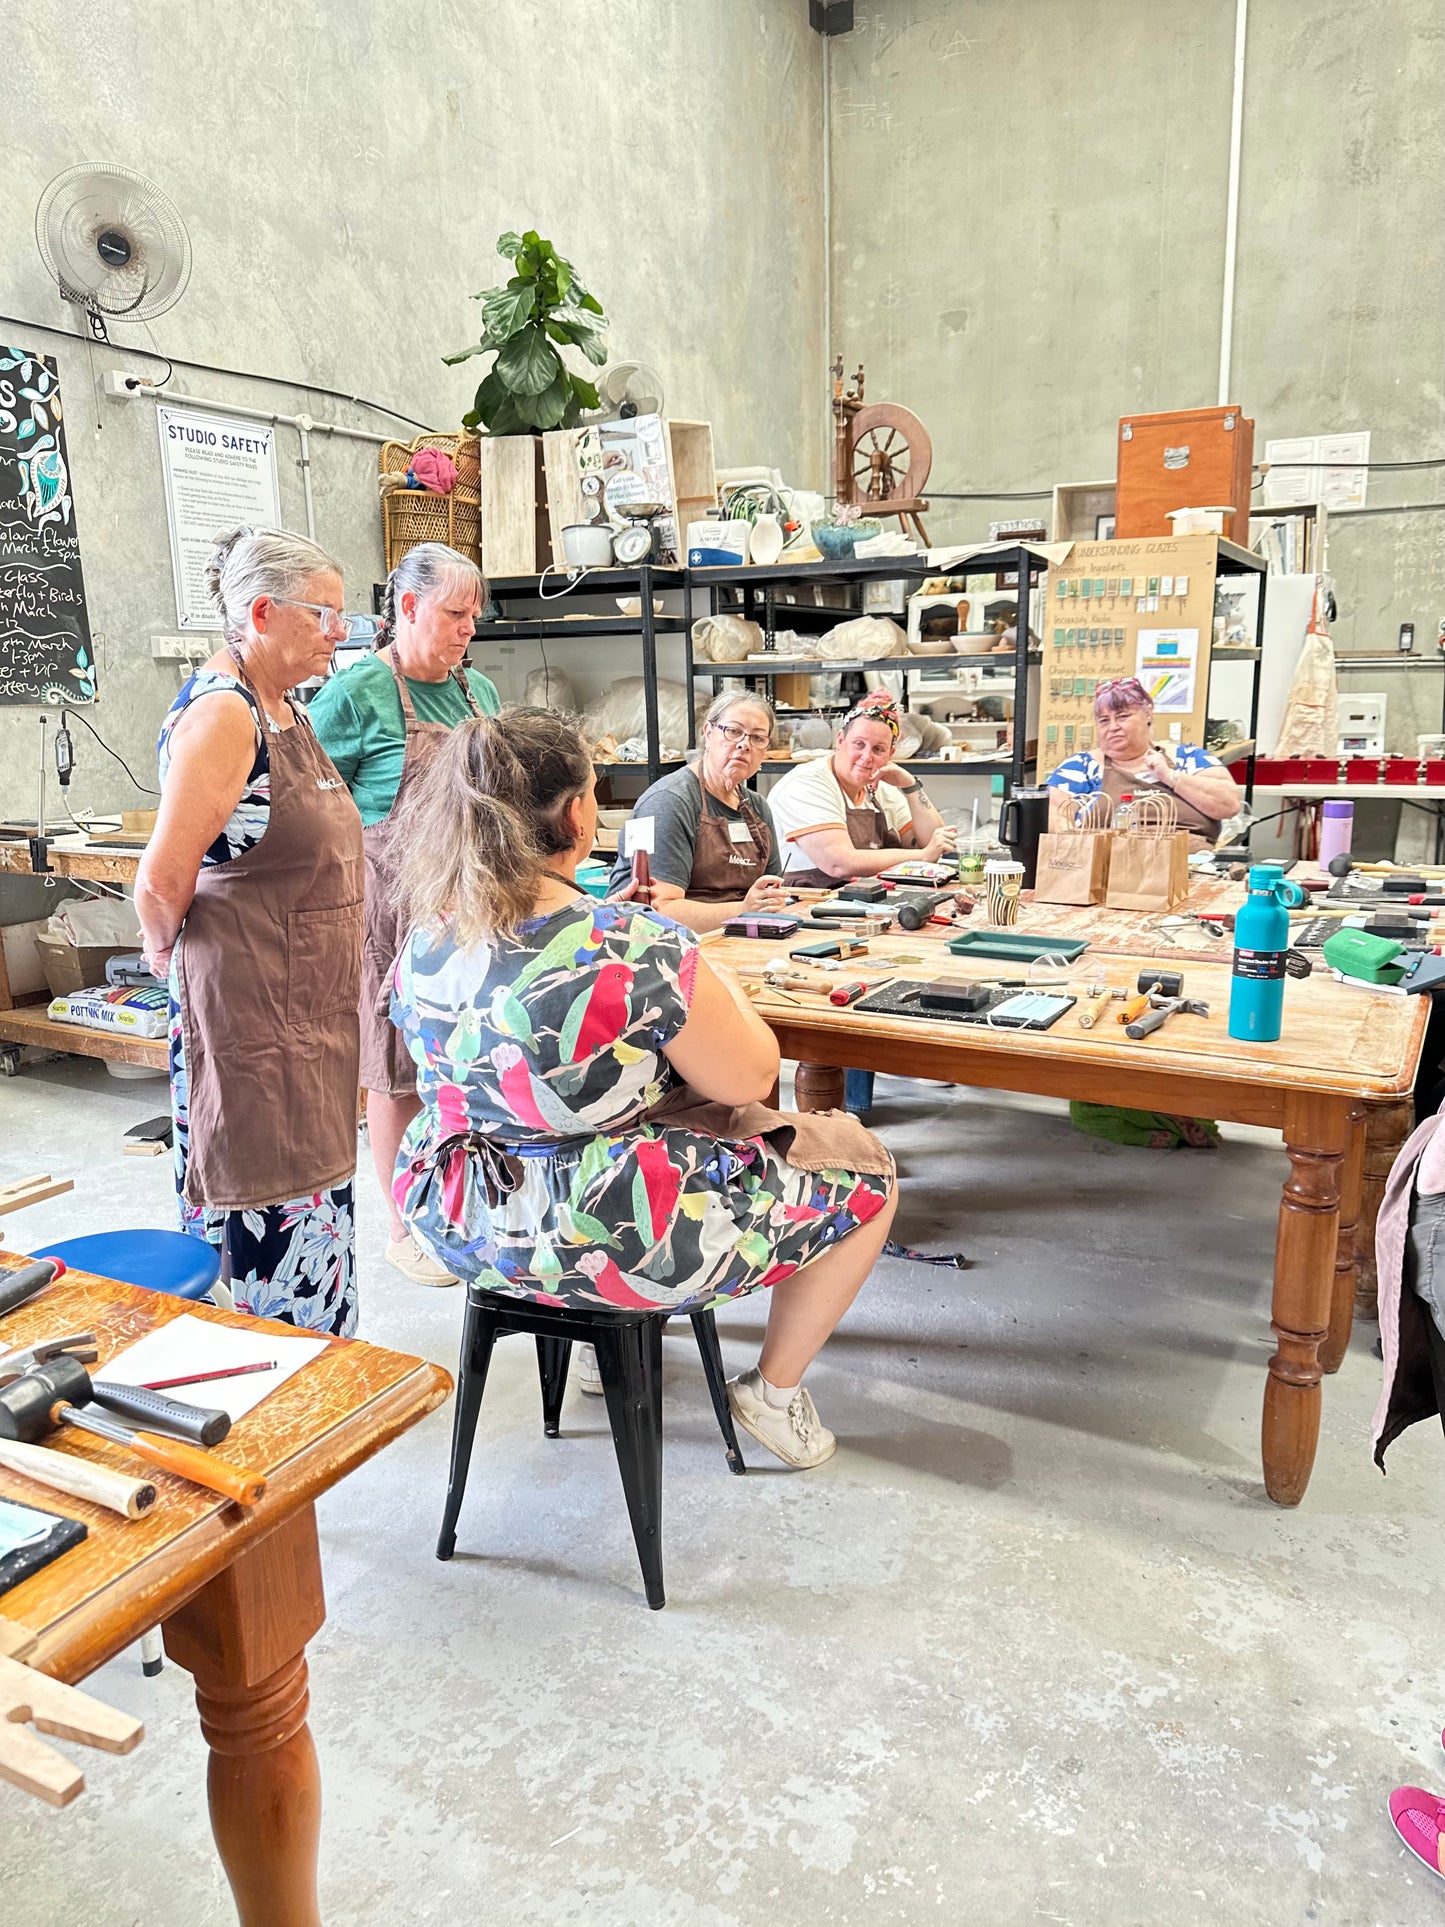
(1342, 1303)
(1317, 1136)
(818, 1087)
(1388, 1122)
(243, 1639)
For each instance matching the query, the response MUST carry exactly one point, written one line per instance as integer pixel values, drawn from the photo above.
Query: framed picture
(1103, 528)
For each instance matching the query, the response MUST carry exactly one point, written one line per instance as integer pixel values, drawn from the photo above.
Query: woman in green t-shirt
(381, 721)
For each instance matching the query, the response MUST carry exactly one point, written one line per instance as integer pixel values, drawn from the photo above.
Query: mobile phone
(760, 926)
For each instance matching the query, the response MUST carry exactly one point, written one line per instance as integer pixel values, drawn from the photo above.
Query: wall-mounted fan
(114, 242)
(629, 388)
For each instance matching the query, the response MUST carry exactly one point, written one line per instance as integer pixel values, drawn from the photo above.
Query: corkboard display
(1119, 609)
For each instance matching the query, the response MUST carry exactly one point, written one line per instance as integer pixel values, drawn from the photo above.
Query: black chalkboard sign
(45, 651)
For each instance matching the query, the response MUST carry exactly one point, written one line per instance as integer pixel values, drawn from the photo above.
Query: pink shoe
(1419, 1819)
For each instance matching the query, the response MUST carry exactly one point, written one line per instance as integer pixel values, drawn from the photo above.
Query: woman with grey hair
(249, 896)
(714, 846)
(381, 721)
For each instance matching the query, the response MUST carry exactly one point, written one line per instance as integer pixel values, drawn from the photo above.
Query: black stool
(629, 1357)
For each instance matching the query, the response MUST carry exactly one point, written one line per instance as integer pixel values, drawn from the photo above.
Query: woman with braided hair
(381, 721)
(856, 813)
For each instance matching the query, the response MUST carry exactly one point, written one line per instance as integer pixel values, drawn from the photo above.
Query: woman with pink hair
(1128, 760)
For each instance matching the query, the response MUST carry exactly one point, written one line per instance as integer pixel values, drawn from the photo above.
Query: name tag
(739, 831)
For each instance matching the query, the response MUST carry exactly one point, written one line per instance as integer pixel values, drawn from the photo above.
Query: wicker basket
(411, 516)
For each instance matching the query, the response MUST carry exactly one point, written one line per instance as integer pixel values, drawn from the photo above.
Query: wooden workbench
(22, 1024)
(238, 1591)
(1340, 1048)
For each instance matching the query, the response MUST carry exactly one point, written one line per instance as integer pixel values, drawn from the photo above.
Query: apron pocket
(323, 963)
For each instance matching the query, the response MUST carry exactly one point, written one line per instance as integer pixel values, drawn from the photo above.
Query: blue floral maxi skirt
(295, 1261)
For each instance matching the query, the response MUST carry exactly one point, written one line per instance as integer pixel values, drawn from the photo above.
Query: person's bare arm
(831, 850)
(765, 895)
(212, 749)
(725, 1051)
(1212, 790)
(924, 820)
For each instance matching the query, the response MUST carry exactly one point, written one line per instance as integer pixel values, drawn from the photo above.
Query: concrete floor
(1033, 1647)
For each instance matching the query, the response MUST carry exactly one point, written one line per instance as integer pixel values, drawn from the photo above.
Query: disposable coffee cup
(1002, 881)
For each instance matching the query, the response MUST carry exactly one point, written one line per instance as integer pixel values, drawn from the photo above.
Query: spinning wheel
(882, 455)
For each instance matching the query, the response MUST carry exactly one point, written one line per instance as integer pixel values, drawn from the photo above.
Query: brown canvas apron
(867, 830)
(386, 1066)
(723, 871)
(268, 962)
(1203, 830)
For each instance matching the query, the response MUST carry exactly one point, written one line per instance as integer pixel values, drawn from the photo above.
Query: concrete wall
(344, 173)
(1028, 241)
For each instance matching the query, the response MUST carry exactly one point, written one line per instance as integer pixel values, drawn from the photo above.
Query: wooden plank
(15, 1197)
(34, 1026)
(508, 479)
(53, 1708)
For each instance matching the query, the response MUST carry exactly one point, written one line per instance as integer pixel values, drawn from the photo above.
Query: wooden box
(1191, 458)
(690, 487)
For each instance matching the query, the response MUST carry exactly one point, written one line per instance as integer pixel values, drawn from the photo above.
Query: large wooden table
(238, 1592)
(1340, 1048)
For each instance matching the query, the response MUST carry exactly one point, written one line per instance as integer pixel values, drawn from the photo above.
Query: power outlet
(178, 649)
(121, 386)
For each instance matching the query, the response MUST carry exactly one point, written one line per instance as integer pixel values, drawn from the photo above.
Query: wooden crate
(517, 538)
(690, 466)
(1077, 508)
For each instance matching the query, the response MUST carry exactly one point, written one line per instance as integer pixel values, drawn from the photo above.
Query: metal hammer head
(1162, 983)
(28, 1402)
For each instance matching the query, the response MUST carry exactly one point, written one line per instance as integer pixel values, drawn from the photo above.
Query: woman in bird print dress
(579, 1064)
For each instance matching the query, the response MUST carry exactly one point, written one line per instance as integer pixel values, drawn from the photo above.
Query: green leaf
(562, 275)
(534, 243)
(548, 409)
(507, 419)
(471, 419)
(528, 363)
(482, 347)
(507, 310)
(591, 304)
(496, 406)
(583, 390)
(509, 245)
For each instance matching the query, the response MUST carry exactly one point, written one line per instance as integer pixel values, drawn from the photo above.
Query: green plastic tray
(1016, 946)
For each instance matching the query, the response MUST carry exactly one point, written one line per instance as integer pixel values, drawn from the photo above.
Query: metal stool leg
(704, 1327)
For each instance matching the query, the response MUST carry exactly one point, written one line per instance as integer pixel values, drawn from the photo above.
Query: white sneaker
(584, 1367)
(797, 1435)
(407, 1257)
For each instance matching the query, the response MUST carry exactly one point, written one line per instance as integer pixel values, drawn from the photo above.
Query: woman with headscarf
(855, 813)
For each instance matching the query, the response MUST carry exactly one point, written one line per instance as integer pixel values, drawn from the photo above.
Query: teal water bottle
(1261, 938)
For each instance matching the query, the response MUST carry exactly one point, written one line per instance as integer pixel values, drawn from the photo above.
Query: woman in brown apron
(1129, 762)
(249, 896)
(833, 838)
(599, 1137)
(713, 843)
(367, 718)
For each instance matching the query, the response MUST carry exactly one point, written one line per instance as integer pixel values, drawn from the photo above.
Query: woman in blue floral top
(579, 1064)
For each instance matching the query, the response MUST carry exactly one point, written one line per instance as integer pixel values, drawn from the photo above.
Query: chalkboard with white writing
(45, 649)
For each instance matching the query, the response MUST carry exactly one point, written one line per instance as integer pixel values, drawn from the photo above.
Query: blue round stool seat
(168, 1261)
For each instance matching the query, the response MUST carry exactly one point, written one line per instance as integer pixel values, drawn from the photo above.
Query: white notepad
(189, 1344)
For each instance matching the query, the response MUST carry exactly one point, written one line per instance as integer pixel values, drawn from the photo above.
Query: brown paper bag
(1073, 865)
(1149, 860)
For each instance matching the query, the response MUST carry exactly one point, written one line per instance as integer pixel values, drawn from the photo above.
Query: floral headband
(876, 707)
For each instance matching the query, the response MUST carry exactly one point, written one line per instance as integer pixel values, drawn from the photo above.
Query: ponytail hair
(487, 816)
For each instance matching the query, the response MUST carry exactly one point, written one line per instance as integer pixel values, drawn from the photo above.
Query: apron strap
(408, 708)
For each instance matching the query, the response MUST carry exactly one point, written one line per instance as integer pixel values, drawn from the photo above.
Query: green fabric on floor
(1156, 1129)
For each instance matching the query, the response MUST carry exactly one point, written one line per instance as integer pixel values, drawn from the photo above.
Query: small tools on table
(47, 1385)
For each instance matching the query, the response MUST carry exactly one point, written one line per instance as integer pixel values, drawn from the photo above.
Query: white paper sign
(220, 471)
(1318, 468)
(1165, 664)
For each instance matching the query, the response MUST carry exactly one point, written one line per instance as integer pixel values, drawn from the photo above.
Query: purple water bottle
(1337, 828)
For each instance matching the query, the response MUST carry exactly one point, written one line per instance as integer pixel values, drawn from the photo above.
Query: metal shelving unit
(757, 589)
(646, 581)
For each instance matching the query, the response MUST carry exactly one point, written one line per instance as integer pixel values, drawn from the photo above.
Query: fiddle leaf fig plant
(543, 308)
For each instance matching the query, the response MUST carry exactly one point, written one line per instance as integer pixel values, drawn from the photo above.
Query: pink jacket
(1408, 1393)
